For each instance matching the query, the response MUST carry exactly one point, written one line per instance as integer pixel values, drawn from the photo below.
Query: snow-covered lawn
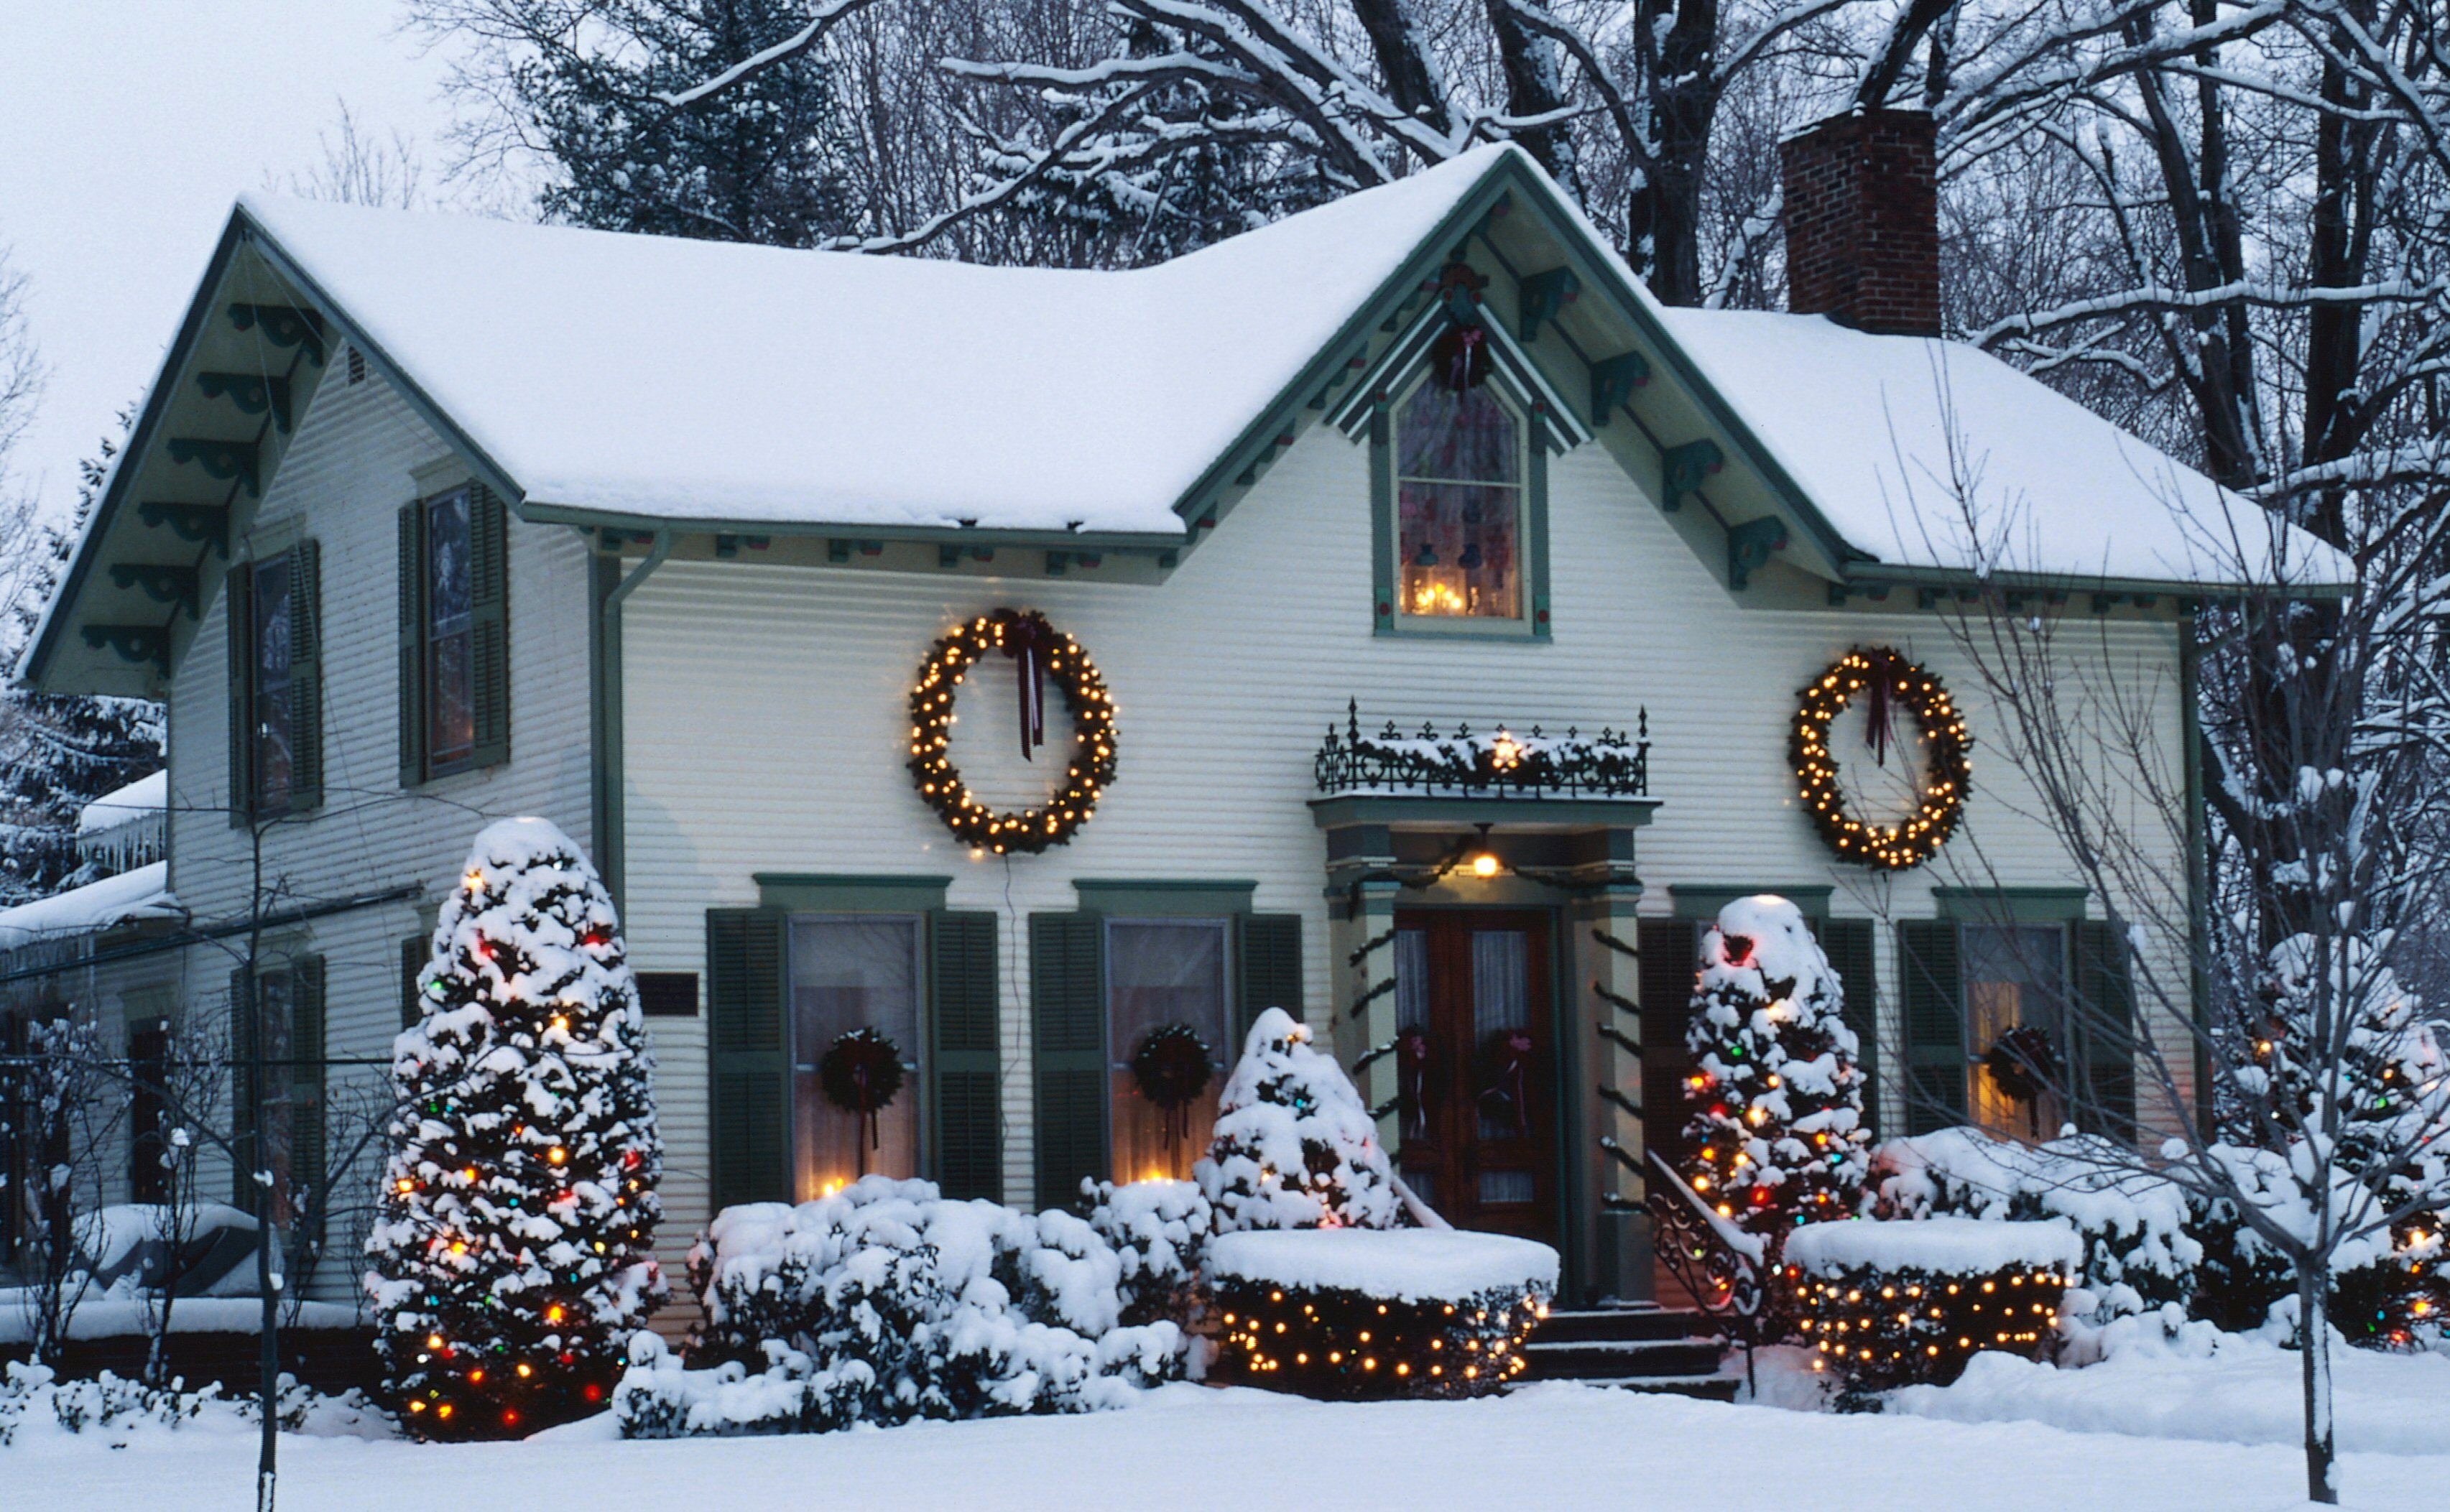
(1193, 1447)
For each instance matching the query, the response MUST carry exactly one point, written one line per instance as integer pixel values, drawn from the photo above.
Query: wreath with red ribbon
(1039, 652)
(1889, 681)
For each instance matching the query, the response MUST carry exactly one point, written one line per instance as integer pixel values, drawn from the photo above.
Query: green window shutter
(1669, 948)
(1272, 973)
(489, 623)
(967, 1063)
(305, 1078)
(1849, 945)
(307, 675)
(747, 1055)
(413, 953)
(2105, 1037)
(412, 643)
(238, 599)
(1067, 1012)
(241, 1008)
(1933, 995)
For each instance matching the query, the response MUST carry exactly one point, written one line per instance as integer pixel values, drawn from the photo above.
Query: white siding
(766, 729)
(344, 481)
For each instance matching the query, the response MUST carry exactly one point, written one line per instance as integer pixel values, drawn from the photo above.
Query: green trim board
(1509, 813)
(1164, 898)
(828, 892)
(1705, 899)
(2009, 905)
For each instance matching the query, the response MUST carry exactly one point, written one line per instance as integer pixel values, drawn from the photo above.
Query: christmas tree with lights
(1777, 1135)
(1295, 1146)
(511, 1262)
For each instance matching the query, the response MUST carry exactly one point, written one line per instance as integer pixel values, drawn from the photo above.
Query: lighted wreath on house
(1038, 651)
(1888, 680)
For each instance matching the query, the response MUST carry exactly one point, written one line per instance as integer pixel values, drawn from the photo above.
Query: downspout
(2198, 864)
(610, 815)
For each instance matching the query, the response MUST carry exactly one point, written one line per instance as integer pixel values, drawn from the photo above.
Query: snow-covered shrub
(1354, 1313)
(1295, 1146)
(2383, 1286)
(1158, 1231)
(1889, 1304)
(513, 1255)
(887, 1301)
(34, 1402)
(2139, 1253)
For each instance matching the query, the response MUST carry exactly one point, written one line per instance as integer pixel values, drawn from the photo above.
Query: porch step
(1638, 1347)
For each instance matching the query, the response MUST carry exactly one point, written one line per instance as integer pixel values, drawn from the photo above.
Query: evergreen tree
(768, 161)
(59, 752)
(512, 1261)
(1295, 1146)
(1777, 1135)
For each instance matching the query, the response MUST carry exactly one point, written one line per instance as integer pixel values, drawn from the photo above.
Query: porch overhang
(1579, 845)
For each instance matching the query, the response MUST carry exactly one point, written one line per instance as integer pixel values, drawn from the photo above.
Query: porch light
(1483, 866)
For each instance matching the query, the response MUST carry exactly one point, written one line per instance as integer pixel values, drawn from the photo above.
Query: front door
(1477, 1046)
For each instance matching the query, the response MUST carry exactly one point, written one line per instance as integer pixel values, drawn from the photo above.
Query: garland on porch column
(1888, 679)
(1036, 648)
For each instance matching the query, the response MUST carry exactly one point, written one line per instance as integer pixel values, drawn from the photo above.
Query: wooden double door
(1476, 1048)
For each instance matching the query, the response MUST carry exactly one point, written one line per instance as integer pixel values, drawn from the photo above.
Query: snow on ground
(1193, 1447)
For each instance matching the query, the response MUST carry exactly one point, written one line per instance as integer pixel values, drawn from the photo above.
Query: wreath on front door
(1887, 680)
(1039, 652)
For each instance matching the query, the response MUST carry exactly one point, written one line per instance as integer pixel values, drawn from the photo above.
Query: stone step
(1702, 1387)
(1619, 1359)
(1626, 1322)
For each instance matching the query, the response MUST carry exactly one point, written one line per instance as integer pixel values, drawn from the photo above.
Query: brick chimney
(1862, 221)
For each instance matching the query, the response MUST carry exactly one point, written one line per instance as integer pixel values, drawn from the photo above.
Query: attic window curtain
(454, 633)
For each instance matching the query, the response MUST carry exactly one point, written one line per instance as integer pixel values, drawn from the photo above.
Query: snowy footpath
(1190, 1448)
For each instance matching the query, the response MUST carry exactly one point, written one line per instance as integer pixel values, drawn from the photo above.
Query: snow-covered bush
(2384, 1285)
(1295, 1146)
(34, 1402)
(887, 1301)
(2139, 1255)
(1889, 1302)
(1158, 1231)
(1355, 1314)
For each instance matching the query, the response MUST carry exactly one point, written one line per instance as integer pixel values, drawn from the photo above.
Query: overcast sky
(126, 127)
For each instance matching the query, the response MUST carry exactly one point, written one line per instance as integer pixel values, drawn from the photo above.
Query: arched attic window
(1461, 424)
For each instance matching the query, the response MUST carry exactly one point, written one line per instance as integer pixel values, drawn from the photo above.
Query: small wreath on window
(1887, 679)
(2024, 1063)
(1039, 650)
(861, 1074)
(1172, 1067)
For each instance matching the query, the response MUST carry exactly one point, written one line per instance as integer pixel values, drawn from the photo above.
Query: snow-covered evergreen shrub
(1295, 1146)
(514, 1256)
(2382, 1283)
(884, 1302)
(1777, 1137)
(2139, 1252)
(1158, 1231)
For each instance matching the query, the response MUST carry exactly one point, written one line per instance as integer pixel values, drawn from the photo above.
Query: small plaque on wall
(668, 994)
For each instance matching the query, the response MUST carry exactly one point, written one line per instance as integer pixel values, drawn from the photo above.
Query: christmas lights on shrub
(1885, 676)
(1026, 637)
(1876, 1330)
(1330, 1343)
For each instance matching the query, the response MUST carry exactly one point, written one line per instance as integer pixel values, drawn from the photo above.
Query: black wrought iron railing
(1499, 763)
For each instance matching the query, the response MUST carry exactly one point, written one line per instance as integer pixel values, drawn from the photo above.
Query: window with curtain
(1459, 504)
(1161, 973)
(854, 972)
(2015, 977)
(450, 634)
(272, 753)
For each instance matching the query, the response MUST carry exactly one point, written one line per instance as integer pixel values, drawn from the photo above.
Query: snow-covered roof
(685, 379)
(144, 893)
(1933, 453)
(136, 803)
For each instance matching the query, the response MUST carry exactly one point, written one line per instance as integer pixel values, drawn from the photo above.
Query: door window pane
(269, 683)
(1458, 504)
(855, 972)
(450, 667)
(1161, 973)
(2015, 977)
(1501, 1021)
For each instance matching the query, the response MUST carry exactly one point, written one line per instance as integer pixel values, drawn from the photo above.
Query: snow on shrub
(2139, 1255)
(1887, 1304)
(1295, 1146)
(1357, 1313)
(115, 1413)
(2376, 1280)
(1158, 1231)
(887, 1301)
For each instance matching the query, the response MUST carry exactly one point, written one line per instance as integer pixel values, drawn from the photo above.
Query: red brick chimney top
(1862, 221)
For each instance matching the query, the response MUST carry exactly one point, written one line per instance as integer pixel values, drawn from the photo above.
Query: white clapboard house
(429, 520)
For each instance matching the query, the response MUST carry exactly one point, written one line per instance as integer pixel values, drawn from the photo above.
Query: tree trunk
(2314, 1351)
(1403, 58)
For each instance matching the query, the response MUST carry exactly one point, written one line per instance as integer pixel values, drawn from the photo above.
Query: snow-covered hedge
(887, 1301)
(2139, 1255)
(1356, 1313)
(1903, 1303)
(114, 1412)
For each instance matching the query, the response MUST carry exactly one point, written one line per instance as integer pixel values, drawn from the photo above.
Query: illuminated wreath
(1036, 647)
(1888, 679)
